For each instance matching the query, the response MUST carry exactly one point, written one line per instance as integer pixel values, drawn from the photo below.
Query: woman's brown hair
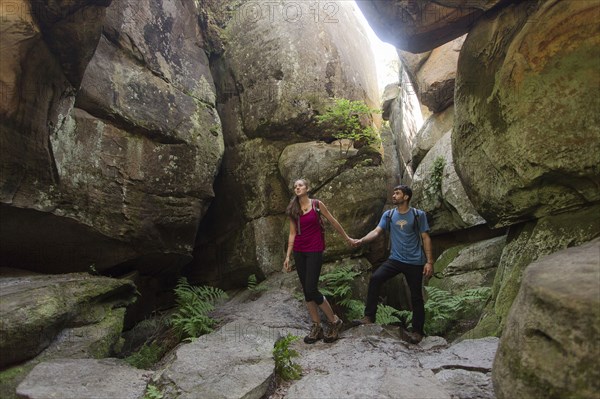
(293, 209)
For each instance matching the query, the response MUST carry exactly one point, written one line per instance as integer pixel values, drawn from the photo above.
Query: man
(410, 255)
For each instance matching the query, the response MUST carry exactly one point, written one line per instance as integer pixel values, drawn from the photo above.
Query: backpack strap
(389, 214)
(315, 206)
(417, 227)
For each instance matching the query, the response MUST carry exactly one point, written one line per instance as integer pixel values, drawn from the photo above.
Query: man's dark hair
(405, 190)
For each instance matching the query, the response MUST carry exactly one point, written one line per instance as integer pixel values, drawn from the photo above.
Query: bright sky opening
(386, 57)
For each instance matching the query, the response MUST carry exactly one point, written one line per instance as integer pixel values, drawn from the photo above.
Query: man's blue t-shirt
(406, 246)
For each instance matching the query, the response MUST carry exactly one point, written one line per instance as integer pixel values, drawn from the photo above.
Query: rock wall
(524, 143)
(526, 123)
(401, 109)
(111, 153)
(424, 151)
(279, 66)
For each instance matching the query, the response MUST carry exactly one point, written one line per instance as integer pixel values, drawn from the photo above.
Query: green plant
(191, 319)
(285, 367)
(152, 392)
(146, 356)
(350, 120)
(253, 284)
(387, 315)
(443, 309)
(355, 309)
(433, 185)
(337, 285)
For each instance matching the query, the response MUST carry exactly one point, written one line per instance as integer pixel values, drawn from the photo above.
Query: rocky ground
(236, 361)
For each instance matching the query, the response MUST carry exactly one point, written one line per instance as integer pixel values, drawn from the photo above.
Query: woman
(308, 243)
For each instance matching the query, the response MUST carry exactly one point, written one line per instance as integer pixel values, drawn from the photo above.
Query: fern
(355, 309)
(285, 367)
(443, 309)
(253, 284)
(152, 392)
(337, 285)
(386, 315)
(405, 317)
(191, 318)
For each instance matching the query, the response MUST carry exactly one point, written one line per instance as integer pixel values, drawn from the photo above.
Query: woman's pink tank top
(311, 238)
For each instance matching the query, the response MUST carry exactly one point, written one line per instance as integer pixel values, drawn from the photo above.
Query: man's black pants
(414, 278)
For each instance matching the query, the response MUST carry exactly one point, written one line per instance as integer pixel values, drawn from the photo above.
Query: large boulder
(526, 128)
(318, 161)
(525, 244)
(241, 367)
(130, 169)
(45, 49)
(435, 77)
(468, 266)
(424, 25)
(241, 234)
(438, 191)
(84, 379)
(413, 62)
(405, 119)
(549, 347)
(430, 133)
(288, 59)
(77, 309)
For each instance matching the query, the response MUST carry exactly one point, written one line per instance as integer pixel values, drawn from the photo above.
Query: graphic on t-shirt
(402, 223)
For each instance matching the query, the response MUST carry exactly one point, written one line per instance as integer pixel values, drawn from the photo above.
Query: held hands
(357, 242)
(353, 242)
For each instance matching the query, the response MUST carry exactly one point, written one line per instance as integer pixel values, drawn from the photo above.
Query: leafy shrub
(345, 120)
(283, 355)
(191, 319)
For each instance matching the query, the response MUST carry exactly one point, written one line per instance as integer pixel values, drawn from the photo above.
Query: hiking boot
(315, 334)
(360, 322)
(333, 330)
(414, 337)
